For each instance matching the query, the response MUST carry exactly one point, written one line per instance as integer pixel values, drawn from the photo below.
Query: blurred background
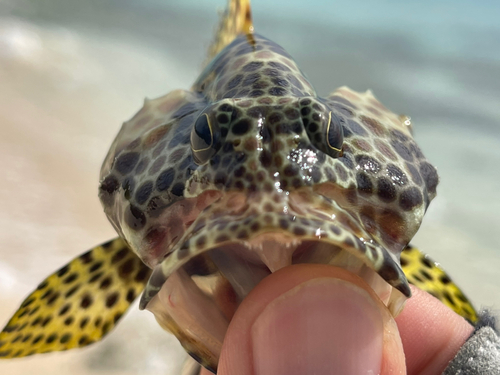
(72, 71)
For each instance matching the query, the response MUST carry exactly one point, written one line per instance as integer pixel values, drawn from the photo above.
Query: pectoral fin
(78, 304)
(424, 273)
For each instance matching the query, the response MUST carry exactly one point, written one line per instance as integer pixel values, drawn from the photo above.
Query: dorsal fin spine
(235, 21)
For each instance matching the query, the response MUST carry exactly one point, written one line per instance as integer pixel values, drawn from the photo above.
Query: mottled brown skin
(252, 149)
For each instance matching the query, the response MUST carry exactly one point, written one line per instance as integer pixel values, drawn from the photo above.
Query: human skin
(324, 320)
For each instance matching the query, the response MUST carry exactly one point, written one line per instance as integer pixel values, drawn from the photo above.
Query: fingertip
(239, 352)
(321, 326)
(431, 333)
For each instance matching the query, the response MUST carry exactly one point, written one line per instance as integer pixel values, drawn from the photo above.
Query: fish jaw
(231, 247)
(282, 235)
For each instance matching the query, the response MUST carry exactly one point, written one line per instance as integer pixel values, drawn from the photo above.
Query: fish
(212, 189)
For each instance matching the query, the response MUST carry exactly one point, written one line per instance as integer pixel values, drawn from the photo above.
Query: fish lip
(385, 266)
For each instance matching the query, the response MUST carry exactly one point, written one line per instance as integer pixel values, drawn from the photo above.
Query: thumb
(312, 319)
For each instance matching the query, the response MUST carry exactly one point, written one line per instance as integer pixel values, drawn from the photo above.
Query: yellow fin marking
(236, 20)
(78, 304)
(427, 275)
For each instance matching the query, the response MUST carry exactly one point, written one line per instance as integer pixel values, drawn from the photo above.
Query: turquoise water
(72, 71)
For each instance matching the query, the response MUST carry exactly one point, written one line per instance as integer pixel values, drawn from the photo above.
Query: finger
(312, 319)
(431, 334)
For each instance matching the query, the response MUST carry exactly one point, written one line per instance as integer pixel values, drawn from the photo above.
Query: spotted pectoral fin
(424, 273)
(78, 304)
(236, 20)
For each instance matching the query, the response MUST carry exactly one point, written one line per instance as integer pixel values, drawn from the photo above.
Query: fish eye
(334, 135)
(205, 139)
(323, 127)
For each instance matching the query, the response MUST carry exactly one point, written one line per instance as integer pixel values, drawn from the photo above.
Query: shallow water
(72, 71)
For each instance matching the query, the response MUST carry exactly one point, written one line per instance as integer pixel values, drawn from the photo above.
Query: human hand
(322, 320)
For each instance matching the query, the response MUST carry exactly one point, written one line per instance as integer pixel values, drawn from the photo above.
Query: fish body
(214, 188)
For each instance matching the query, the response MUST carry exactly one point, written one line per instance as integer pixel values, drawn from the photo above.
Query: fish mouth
(195, 290)
(266, 233)
(243, 260)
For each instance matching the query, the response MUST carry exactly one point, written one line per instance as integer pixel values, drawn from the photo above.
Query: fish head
(252, 171)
